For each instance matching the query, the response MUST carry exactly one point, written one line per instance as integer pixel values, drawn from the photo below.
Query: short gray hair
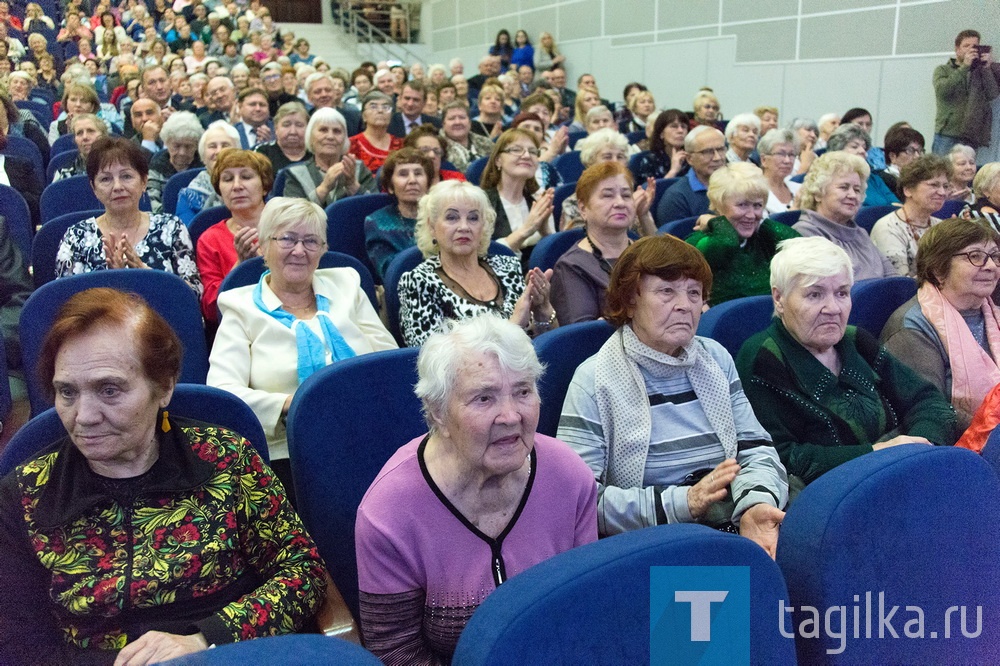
(589, 145)
(437, 199)
(229, 130)
(804, 261)
(803, 122)
(693, 135)
(828, 166)
(282, 212)
(99, 123)
(986, 178)
(776, 137)
(962, 149)
(742, 120)
(181, 126)
(326, 116)
(313, 78)
(444, 354)
(845, 134)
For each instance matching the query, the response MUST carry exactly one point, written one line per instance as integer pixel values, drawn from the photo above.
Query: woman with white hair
(599, 117)
(963, 163)
(296, 320)
(480, 498)
(741, 135)
(459, 278)
(608, 145)
(374, 143)
(739, 243)
(332, 172)
(828, 392)
(200, 195)
(180, 134)
(831, 196)
(777, 150)
(986, 188)
(827, 123)
(807, 131)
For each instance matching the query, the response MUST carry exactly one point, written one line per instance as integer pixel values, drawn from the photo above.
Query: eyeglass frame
(290, 242)
(995, 256)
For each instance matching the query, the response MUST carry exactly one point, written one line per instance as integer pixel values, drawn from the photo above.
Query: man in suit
(327, 91)
(489, 67)
(557, 78)
(409, 116)
(255, 124)
(220, 95)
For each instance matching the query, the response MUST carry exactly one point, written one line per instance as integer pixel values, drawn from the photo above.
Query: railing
(363, 24)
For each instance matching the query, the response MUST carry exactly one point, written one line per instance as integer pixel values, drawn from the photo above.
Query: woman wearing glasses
(949, 333)
(924, 184)
(778, 149)
(294, 321)
(375, 143)
(510, 185)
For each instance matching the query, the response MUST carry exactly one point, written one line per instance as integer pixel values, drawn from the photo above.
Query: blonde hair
(439, 197)
(739, 179)
(827, 167)
(282, 212)
(986, 178)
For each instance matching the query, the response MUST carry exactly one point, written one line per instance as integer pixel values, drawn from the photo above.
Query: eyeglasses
(518, 151)
(436, 152)
(913, 150)
(309, 243)
(784, 156)
(711, 152)
(374, 106)
(978, 258)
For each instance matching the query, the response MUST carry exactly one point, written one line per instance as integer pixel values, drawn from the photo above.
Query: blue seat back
(897, 524)
(561, 194)
(63, 143)
(288, 650)
(191, 401)
(60, 161)
(205, 219)
(635, 137)
(569, 166)
(166, 293)
(15, 211)
(474, 172)
(591, 604)
(74, 194)
(991, 450)
(562, 350)
(951, 208)
(6, 399)
(787, 217)
(174, 185)
(874, 301)
(248, 272)
(551, 247)
(662, 185)
(345, 422)
(732, 323)
(869, 215)
(575, 136)
(278, 188)
(345, 225)
(681, 228)
(798, 178)
(42, 114)
(18, 146)
(45, 244)
(634, 162)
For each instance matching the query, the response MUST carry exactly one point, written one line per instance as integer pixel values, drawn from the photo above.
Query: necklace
(916, 230)
(605, 265)
(495, 303)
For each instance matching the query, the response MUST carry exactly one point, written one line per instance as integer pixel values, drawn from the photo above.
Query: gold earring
(165, 424)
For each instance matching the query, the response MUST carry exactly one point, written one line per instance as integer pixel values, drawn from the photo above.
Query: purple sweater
(423, 568)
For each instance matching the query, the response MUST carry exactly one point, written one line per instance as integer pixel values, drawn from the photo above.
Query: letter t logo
(701, 610)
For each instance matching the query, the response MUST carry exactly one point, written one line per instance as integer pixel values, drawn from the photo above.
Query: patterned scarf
(312, 351)
(623, 403)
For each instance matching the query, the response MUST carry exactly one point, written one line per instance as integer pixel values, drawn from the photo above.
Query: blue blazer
(244, 142)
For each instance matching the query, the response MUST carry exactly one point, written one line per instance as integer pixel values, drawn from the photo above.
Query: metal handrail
(357, 27)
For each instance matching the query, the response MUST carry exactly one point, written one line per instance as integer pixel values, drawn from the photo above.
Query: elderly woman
(218, 540)
(741, 135)
(510, 185)
(807, 132)
(827, 392)
(739, 244)
(180, 134)
(924, 184)
(458, 278)
(87, 129)
(332, 173)
(600, 117)
(124, 236)
(294, 321)
(580, 277)
(406, 177)
(852, 139)
(426, 139)
(658, 414)
(986, 188)
(949, 333)
(706, 110)
(963, 165)
(666, 157)
(826, 124)
(489, 122)
(200, 195)
(777, 150)
(831, 196)
(375, 143)
(608, 145)
(641, 106)
(464, 147)
(242, 178)
(289, 145)
(480, 498)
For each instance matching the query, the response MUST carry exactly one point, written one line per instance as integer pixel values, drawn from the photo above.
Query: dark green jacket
(817, 420)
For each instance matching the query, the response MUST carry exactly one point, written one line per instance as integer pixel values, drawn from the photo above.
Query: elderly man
(147, 120)
(964, 88)
(255, 124)
(326, 91)
(220, 96)
(489, 67)
(557, 78)
(706, 153)
(410, 114)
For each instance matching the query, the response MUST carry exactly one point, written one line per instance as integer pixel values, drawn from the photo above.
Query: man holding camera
(964, 87)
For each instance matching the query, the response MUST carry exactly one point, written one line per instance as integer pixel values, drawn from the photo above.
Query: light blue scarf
(312, 352)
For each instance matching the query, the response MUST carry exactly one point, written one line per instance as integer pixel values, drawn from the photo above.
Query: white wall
(807, 57)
